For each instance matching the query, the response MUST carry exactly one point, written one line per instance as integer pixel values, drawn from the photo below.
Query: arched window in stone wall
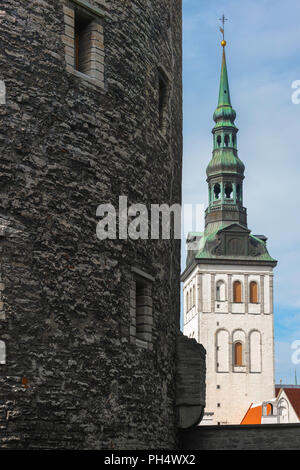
(238, 354)
(220, 291)
(253, 292)
(2, 352)
(194, 297)
(222, 351)
(187, 302)
(237, 292)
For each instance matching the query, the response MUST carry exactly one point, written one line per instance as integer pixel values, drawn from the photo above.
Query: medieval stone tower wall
(71, 140)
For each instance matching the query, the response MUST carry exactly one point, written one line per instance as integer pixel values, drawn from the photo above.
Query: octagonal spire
(224, 93)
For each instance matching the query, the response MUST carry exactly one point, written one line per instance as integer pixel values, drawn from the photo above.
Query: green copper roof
(225, 158)
(226, 238)
(224, 161)
(224, 93)
(208, 241)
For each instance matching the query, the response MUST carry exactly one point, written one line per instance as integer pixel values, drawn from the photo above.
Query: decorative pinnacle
(223, 19)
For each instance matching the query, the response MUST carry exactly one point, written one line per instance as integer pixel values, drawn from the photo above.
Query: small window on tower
(237, 292)
(238, 354)
(219, 140)
(253, 292)
(220, 291)
(217, 191)
(2, 352)
(238, 192)
(162, 101)
(83, 32)
(143, 310)
(141, 320)
(226, 140)
(228, 190)
(84, 41)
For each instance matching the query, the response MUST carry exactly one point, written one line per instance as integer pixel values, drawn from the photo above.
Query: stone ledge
(99, 11)
(89, 81)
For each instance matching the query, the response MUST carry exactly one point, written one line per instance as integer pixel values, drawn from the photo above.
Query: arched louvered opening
(237, 292)
(238, 192)
(238, 354)
(217, 191)
(220, 291)
(228, 190)
(253, 292)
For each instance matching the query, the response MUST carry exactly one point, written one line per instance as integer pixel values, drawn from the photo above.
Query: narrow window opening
(2, 92)
(219, 140)
(238, 354)
(237, 292)
(2, 352)
(83, 38)
(253, 293)
(217, 191)
(226, 140)
(238, 192)
(143, 310)
(228, 190)
(220, 292)
(162, 102)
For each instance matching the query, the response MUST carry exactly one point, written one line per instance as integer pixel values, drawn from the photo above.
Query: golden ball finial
(223, 43)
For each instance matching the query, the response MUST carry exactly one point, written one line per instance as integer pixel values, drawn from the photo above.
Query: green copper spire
(225, 172)
(226, 238)
(224, 93)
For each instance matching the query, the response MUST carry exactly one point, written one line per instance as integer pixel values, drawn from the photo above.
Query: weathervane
(223, 19)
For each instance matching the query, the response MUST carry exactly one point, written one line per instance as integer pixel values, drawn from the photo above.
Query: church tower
(228, 283)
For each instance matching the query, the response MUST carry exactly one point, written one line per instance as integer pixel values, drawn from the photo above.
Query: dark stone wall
(190, 382)
(240, 437)
(66, 148)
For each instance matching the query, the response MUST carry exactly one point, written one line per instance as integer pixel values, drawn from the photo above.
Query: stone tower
(93, 111)
(228, 284)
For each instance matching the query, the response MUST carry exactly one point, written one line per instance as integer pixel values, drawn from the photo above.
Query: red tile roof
(254, 414)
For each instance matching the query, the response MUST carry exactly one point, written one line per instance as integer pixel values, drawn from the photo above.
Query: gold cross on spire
(223, 19)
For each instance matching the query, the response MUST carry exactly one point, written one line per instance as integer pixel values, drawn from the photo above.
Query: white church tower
(228, 284)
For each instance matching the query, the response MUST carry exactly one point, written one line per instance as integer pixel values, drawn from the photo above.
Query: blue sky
(263, 59)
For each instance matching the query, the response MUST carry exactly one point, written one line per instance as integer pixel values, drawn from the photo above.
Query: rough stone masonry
(69, 142)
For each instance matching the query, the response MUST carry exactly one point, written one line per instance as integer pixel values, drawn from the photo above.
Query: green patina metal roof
(224, 93)
(204, 242)
(224, 160)
(226, 238)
